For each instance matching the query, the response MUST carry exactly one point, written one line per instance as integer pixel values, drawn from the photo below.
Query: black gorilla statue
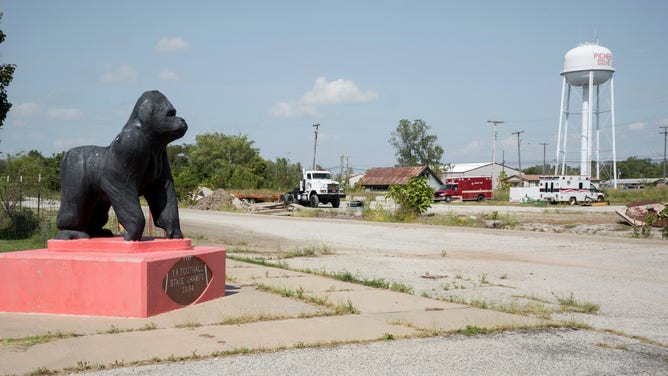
(95, 178)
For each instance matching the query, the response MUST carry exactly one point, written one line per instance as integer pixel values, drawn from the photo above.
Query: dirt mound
(219, 199)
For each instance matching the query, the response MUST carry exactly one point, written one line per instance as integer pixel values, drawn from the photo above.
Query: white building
(459, 170)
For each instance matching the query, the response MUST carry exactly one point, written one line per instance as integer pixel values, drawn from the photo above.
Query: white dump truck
(316, 187)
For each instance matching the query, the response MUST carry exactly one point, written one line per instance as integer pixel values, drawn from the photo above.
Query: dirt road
(506, 269)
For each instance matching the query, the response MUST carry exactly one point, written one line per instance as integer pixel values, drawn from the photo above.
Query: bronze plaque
(187, 280)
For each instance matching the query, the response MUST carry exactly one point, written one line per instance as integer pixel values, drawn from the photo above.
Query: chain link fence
(28, 209)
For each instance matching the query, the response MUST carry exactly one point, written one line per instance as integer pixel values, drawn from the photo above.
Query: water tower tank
(586, 58)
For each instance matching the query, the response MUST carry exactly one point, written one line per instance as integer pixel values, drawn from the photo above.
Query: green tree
(281, 174)
(539, 170)
(6, 75)
(502, 184)
(33, 167)
(185, 178)
(634, 167)
(413, 198)
(415, 147)
(22, 175)
(223, 161)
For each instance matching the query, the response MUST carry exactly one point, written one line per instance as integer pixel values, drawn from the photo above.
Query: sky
(270, 70)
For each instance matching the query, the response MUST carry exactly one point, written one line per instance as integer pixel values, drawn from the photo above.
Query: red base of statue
(111, 277)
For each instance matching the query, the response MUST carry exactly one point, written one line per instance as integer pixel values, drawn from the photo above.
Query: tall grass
(627, 196)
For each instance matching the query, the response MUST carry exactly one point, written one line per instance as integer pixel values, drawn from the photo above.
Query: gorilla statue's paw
(71, 234)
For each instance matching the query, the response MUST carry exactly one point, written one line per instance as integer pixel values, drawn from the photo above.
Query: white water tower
(587, 66)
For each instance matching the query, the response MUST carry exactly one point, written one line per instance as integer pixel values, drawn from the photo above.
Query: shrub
(413, 198)
(18, 224)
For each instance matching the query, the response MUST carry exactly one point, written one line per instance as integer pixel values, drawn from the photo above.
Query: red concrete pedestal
(111, 277)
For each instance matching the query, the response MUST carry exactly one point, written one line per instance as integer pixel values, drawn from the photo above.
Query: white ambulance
(569, 188)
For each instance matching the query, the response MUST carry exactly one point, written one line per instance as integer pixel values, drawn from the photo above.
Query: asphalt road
(624, 277)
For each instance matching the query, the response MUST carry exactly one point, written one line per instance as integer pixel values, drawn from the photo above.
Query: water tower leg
(612, 115)
(584, 141)
(598, 135)
(590, 122)
(561, 120)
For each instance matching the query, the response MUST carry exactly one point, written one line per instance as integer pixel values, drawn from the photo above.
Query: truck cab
(474, 188)
(446, 192)
(316, 187)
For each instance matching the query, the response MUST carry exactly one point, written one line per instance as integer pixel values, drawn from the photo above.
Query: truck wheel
(448, 198)
(572, 201)
(599, 199)
(481, 198)
(314, 201)
(287, 199)
(336, 203)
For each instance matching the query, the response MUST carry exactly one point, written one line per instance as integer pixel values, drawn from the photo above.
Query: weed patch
(250, 318)
(27, 342)
(472, 330)
(611, 346)
(310, 251)
(346, 308)
(570, 304)
(188, 325)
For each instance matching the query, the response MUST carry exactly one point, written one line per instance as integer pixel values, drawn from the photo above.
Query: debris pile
(217, 200)
(220, 199)
(645, 213)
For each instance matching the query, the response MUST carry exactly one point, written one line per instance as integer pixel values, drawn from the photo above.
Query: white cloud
(25, 109)
(291, 109)
(68, 143)
(472, 146)
(336, 92)
(123, 74)
(323, 93)
(637, 126)
(64, 113)
(168, 75)
(171, 44)
(508, 143)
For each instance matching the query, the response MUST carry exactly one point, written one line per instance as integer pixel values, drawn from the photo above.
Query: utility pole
(494, 124)
(544, 148)
(315, 144)
(503, 161)
(287, 166)
(519, 158)
(665, 140)
(343, 178)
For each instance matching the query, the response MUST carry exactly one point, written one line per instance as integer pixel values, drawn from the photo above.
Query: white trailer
(524, 194)
(569, 188)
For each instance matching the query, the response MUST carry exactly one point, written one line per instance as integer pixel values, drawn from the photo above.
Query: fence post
(39, 193)
(20, 191)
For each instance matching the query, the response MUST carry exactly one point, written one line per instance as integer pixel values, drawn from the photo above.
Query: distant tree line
(215, 160)
(218, 160)
(631, 168)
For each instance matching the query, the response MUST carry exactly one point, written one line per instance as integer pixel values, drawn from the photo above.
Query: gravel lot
(626, 278)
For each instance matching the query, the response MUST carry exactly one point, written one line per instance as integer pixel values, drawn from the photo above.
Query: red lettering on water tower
(603, 58)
